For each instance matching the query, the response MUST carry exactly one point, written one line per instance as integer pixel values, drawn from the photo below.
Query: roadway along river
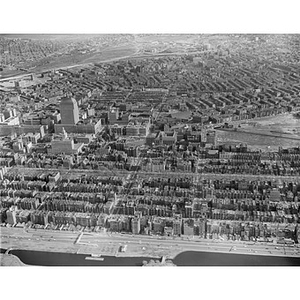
(188, 258)
(141, 247)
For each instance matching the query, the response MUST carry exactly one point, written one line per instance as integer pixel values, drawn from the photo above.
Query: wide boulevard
(105, 243)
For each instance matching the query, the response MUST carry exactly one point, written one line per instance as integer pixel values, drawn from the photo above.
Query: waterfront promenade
(105, 243)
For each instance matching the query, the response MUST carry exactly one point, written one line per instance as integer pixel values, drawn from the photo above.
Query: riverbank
(138, 247)
(186, 258)
(105, 243)
(197, 258)
(43, 258)
(7, 260)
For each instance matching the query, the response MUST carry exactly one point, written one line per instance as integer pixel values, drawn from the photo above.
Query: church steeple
(64, 133)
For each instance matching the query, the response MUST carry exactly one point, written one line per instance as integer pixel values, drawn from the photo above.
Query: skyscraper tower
(69, 111)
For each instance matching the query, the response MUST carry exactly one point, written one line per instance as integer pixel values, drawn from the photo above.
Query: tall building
(136, 225)
(177, 227)
(11, 215)
(69, 111)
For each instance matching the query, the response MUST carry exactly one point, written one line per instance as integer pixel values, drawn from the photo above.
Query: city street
(106, 172)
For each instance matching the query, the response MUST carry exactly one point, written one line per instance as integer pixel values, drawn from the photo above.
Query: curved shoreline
(201, 258)
(152, 247)
(8, 260)
(185, 258)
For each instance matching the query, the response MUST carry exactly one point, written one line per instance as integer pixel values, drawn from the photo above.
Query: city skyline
(256, 147)
(189, 140)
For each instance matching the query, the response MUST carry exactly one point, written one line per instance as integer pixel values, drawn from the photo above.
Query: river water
(188, 258)
(194, 258)
(41, 258)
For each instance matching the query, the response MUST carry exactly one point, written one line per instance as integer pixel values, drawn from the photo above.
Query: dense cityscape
(184, 140)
